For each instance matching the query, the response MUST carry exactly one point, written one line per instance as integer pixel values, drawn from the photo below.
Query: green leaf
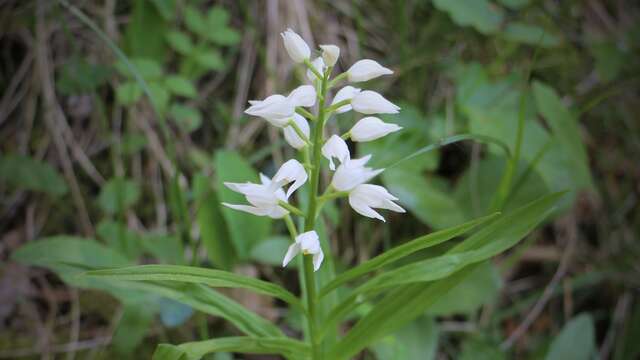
(224, 36)
(212, 302)
(169, 352)
(418, 340)
(609, 58)
(166, 248)
(149, 69)
(133, 326)
(404, 250)
(166, 8)
(118, 194)
(188, 118)
(128, 93)
(483, 15)
(210, 277)
(144, 33)
(195, 21)
(209, 59)
(24, 172)
(530, 35)
(478, 348)
(246, 230)
(576, 341)
(180, 86)
(217, 17)
(132, 143)
(289, 348)
(515, 4)
(213, 229)
(120, 238)
(271, 251)
(78, 76)
(159, 96)
(180, 42)
(406, 302)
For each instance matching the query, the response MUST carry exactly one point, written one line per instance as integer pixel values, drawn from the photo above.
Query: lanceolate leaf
(403, 250)
(189, 274)
(195, 350)
(408, 301)
(212, 302)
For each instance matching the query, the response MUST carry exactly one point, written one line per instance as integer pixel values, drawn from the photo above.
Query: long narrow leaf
(189, 274)
(403, 250)
(406, 302)
(195, 350)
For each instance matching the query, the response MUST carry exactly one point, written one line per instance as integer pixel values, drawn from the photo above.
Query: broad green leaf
(217, 17)
(144, 33)
(530, 35)
(149, 69)
(271, 251)
(195, 21)
(224, 36)
(404, 250)
(24, 172)
(128, 93)
(118, 194)
(478, 348)
(181, 86)
(189, 274)
(133, 326)
(245, 230)
(166, 8)
(406, 302)
(180, 42)
(417, 340)
(609, 58)
(209, 59)
(188, 118)
(483, 15)
(120, 238)
(289, 348)
(166, 248)
(212, 302)
(576, 341)
(159, 95)
(481, 287)
(169, 352)
(213, 229)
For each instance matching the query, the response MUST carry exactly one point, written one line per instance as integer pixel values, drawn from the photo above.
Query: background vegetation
(108, 162)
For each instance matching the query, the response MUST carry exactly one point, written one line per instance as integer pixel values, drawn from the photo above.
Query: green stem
(338, 105)
(292, 209)
(310, 218)
(305, 113)
(313, 70)
(299, 132)
(291, 226)
(337, 79)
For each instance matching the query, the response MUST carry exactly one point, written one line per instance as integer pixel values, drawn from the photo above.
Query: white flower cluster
(350, 177)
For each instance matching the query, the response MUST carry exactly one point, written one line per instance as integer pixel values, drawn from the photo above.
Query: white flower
(297, 49)
(330, 54)
(304, 95)
(370, 102)
(291, 136)
(308, 244)
(346, 93)
(264, 198)
(337, 148)
(366, 69)
(364, 197)
(276, 109)
(290, 171)
(371, 128)
(352, 173)
(317, 64)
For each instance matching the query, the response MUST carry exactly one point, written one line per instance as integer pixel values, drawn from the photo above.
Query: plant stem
(310, 218)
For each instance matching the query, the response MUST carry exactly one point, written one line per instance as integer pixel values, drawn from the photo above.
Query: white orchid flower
(290, 172)
(264, 198)
(366, 69)
(296, 47)
(292, 137)
(319, 65)
(346, 93)
(304, 95)
(363, 198)
(337, 148)
(306, 243)
(371, 128)
(370, 102)
(352, 172)
(330, 54)
(276, 109)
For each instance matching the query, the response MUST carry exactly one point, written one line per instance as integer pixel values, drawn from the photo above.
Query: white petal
(371, 128)
(346, 93)
(304, 95)
(309, 242)
(363, 198)
(352, 173)
(366, 69)
(249, 209)
(317, 64)
(370, 102)
(276, 109)
(337, 148)
(330, 54)
(291, 136)
(292, 251)
(296, 47)
(290, 171)
(317, 260)
(362, 208)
